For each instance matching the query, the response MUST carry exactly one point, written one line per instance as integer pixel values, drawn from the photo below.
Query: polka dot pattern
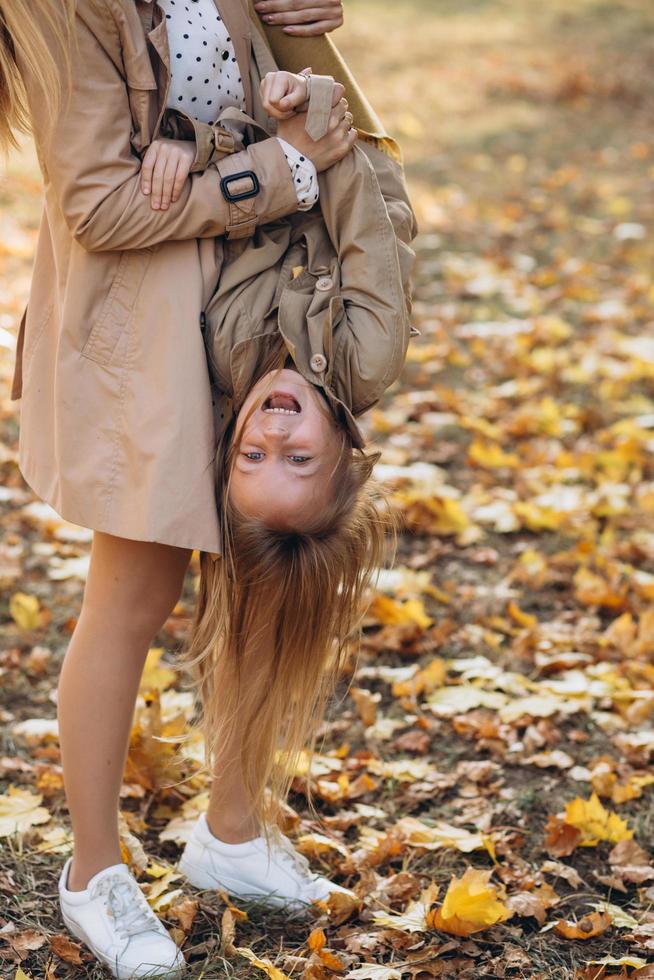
(205, 79)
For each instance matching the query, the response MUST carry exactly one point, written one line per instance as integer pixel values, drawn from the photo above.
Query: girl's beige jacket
(117, 421)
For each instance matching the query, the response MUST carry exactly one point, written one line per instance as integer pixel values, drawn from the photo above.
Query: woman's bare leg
(131, 588)
(229, 815)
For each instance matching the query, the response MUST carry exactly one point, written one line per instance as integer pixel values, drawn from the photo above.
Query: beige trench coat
(117, 427)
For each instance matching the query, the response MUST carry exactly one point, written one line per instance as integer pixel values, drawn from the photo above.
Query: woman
(117, 421)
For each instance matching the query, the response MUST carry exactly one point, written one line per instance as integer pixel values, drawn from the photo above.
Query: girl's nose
(276, 431)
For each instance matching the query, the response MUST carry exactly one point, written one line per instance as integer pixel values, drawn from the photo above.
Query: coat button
(318, 363)
(324, 283)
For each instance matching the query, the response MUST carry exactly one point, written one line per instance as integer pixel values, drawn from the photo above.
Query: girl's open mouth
(281, 404)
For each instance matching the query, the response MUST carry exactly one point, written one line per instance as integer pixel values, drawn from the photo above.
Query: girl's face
(289, 448)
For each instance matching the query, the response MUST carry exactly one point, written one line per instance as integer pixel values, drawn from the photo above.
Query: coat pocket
(17, 380)
(118, 307)
(26, 343)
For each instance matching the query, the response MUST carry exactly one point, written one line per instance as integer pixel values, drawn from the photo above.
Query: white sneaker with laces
(280, 877)
(112, 917)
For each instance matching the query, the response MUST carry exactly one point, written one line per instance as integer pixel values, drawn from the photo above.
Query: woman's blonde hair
(276, 617)
(31, 32)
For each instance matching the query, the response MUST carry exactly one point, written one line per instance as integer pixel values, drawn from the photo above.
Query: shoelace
(298, 861)
(129, 910)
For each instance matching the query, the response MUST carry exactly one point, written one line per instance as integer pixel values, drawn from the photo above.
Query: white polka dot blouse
(206, 79)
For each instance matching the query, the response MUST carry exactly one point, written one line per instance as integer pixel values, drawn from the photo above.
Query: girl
(117, 421)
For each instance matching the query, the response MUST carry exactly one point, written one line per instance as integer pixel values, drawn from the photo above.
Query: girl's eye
(253, 455)
(299, 459)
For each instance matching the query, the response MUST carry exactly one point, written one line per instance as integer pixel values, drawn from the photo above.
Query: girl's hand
(282, 93)
(330, 148)
(303, 18)
(165, 167)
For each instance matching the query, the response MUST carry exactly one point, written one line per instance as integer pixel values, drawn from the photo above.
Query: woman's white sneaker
(112, 917)
(279, 877)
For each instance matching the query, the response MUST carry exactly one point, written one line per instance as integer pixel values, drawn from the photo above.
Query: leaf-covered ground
(486, 784)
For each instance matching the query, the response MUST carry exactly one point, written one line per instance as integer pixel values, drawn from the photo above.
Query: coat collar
(237, 21)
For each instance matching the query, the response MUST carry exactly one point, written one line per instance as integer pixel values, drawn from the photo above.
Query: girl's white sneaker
(280, 877)
(112, 917)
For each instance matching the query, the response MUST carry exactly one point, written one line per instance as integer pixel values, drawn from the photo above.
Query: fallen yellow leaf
(19, 810)
(441, 835)
(415, 916)
(154, 674)
(595, 822)
(389, 612)
(24, 610)
(519, 616)
(423, 681)
(471, 905)
(490, 455)
(262, 964)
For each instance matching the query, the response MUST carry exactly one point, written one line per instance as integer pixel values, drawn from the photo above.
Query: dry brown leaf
(593, 924)
(631, 862)
(561, 837)
(228, 934)
(23, 943)
(66, 949)
(185, 913)
(317, 944)
(533, 903)
(366, 704)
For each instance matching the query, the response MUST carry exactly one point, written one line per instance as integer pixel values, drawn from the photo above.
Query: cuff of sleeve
(275, 197)
(303, 172)
(211, 144)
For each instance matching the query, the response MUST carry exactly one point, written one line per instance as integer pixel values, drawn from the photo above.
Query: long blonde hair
(276, 617)
(32, 31)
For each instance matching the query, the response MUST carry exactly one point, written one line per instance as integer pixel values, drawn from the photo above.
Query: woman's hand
(165, 167)
(303, 18)
(330, 148)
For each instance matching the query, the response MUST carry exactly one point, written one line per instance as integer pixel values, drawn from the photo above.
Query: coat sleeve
(90, 166)
(371, 233)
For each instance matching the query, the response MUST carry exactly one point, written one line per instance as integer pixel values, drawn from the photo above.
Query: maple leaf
(373, 971)
(155, 675)
(262, 963)
(635, 961)
(631, 862)
(588, 927)
(66, 949)
(595, 823)
(471, 905)
(23, 943)
(366, 703)
(21, 809)
(25, 610)
(185, 912)
(317, 944)
(390, 612)
(415, 916)
(423, 681)
(441, 835)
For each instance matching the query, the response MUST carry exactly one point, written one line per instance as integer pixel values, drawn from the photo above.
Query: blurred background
(507, 669)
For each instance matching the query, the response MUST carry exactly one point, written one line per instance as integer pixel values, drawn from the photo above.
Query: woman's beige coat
(117, 427)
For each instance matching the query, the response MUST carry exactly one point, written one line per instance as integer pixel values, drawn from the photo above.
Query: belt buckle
(240, 195)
